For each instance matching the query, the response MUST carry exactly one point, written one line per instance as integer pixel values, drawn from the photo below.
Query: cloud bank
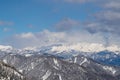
(47, 37)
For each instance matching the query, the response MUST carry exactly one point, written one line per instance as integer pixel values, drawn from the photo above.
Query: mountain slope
(46, 67)
(107, 57)
(9, 73)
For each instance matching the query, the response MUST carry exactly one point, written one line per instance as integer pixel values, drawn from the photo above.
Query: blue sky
(33, 16)
(40, 14)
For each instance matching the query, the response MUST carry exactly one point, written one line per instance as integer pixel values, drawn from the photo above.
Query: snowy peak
(5, 48)
(84, 47)
(80, 47)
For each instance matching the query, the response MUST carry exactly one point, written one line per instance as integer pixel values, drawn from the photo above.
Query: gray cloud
(107, 20)
(67, 24)
(112, 4)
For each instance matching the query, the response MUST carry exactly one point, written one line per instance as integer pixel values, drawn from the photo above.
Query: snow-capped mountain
(65, 62)
(59, 48)
(6, 48)
(98, 52)
(84, 47)
(108, 55)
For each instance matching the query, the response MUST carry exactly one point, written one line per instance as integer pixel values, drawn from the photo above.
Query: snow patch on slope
(56, 62)
(85, 60)
(28, 55)
(109, 69)
(75, 60)
(60, 77)
(47, 74)
(5, 61)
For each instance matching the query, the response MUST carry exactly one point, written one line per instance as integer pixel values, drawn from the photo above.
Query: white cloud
(26, 35)
(35, 39)
(48, 38)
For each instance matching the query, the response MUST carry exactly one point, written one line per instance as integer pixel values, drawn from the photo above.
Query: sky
(29, 23)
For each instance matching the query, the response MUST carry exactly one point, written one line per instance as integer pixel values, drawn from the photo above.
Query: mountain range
(64, 62)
